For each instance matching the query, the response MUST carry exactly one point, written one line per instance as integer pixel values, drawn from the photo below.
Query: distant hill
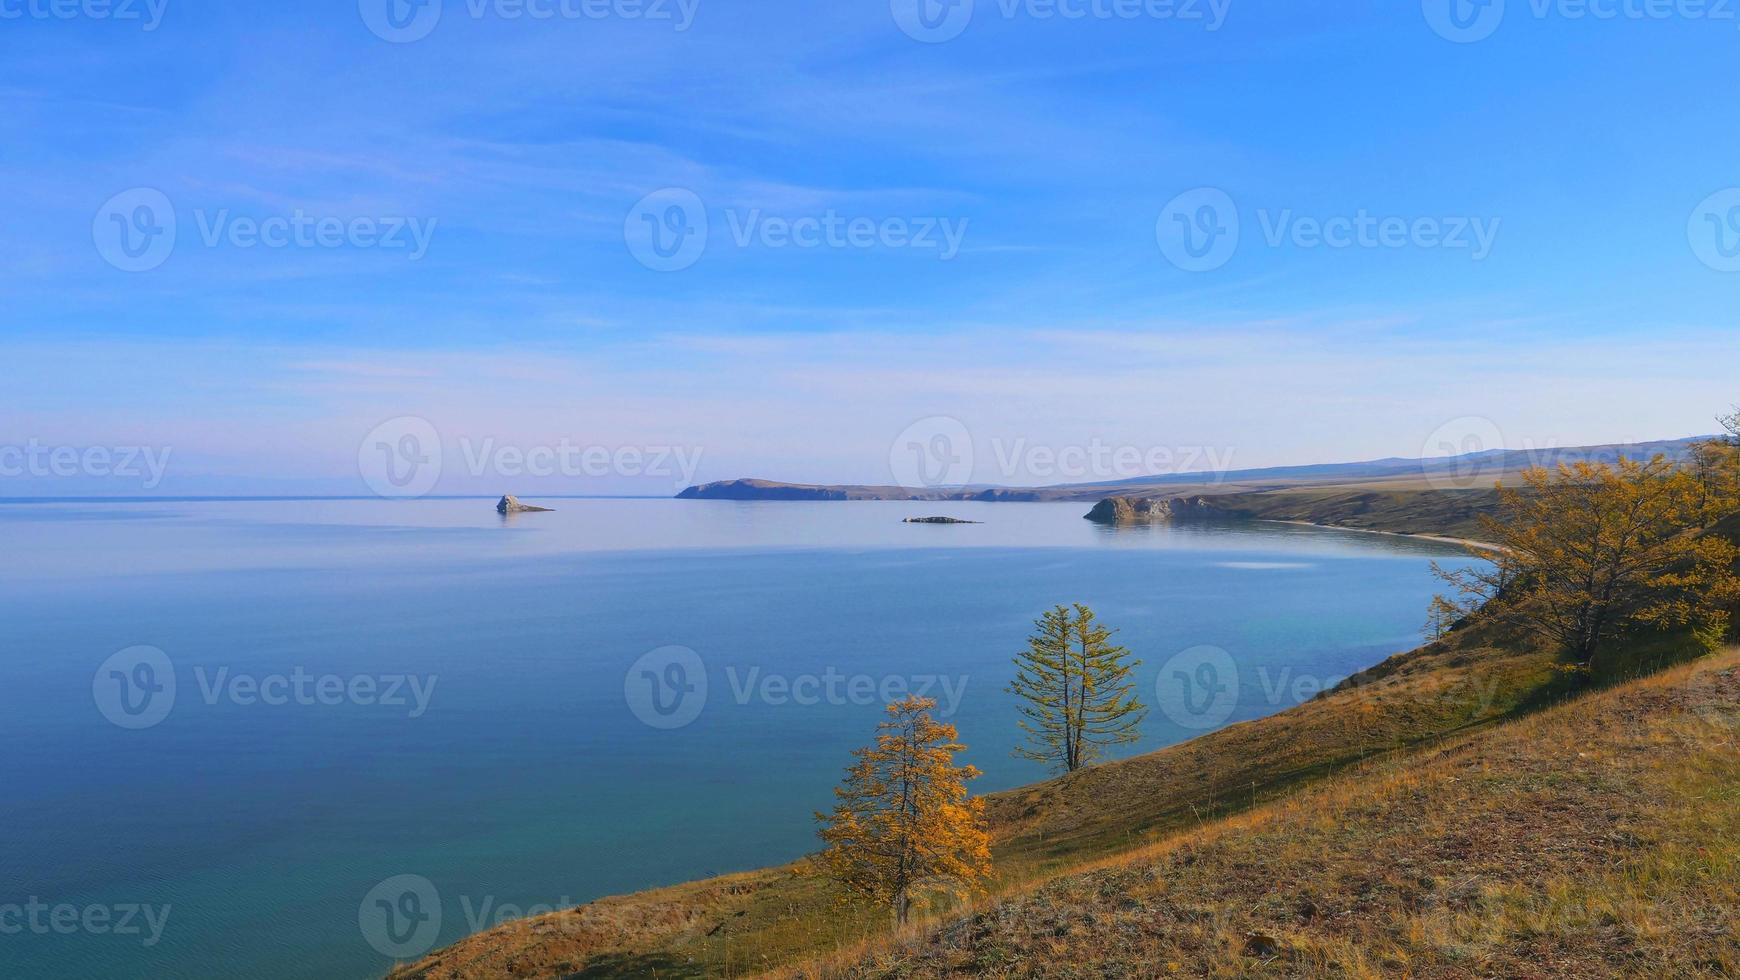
(771, 490)
(1434, 513)
(1469, 471)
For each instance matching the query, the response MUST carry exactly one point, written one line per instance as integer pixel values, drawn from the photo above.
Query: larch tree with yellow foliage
(904, 824)
(1593, 551)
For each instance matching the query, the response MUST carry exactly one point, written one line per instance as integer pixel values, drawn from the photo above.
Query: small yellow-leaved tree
(904, 824)
(1592, 551)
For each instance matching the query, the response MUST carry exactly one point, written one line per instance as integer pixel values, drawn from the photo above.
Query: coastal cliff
(1141, 510)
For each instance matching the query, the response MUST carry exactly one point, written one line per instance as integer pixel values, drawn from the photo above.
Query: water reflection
(198, 535)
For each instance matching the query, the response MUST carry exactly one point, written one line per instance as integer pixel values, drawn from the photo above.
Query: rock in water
(936, 520)
(510, 504)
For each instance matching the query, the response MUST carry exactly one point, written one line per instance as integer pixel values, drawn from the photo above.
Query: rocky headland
(1144, 510)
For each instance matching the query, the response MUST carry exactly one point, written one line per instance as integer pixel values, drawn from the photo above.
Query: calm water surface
(532, 751)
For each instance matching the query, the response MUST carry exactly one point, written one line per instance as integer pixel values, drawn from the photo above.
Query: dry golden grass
(1600, 838)
(1377, 506)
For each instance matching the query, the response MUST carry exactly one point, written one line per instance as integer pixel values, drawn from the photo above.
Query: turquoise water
(508, 722)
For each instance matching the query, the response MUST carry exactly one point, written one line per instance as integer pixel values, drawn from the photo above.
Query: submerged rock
(937, 520)
(510, 504)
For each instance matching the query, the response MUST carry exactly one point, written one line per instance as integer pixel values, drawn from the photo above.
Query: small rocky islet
(510, 504)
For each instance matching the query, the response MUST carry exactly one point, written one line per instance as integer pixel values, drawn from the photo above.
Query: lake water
(226, 723)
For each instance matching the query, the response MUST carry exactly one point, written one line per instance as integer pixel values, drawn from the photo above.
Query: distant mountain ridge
(773, 490)
(1469, 471)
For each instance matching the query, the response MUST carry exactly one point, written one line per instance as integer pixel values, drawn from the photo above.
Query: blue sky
(1552, 180)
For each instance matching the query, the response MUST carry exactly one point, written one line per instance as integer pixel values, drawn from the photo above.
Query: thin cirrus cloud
(1055, 146)
(826, 408)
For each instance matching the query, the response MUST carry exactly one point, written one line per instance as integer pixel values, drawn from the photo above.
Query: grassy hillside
(741, 924)
(1599, 838)
(1450, 513)
(1405, 716)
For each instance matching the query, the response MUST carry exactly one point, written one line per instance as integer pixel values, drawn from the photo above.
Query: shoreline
(1469, 543)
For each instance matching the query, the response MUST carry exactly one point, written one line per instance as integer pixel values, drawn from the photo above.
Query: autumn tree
(1714, 465)
(1592, 551)
(904, 823)
(1475, 587)
(1077, 689)
(1443, 614)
